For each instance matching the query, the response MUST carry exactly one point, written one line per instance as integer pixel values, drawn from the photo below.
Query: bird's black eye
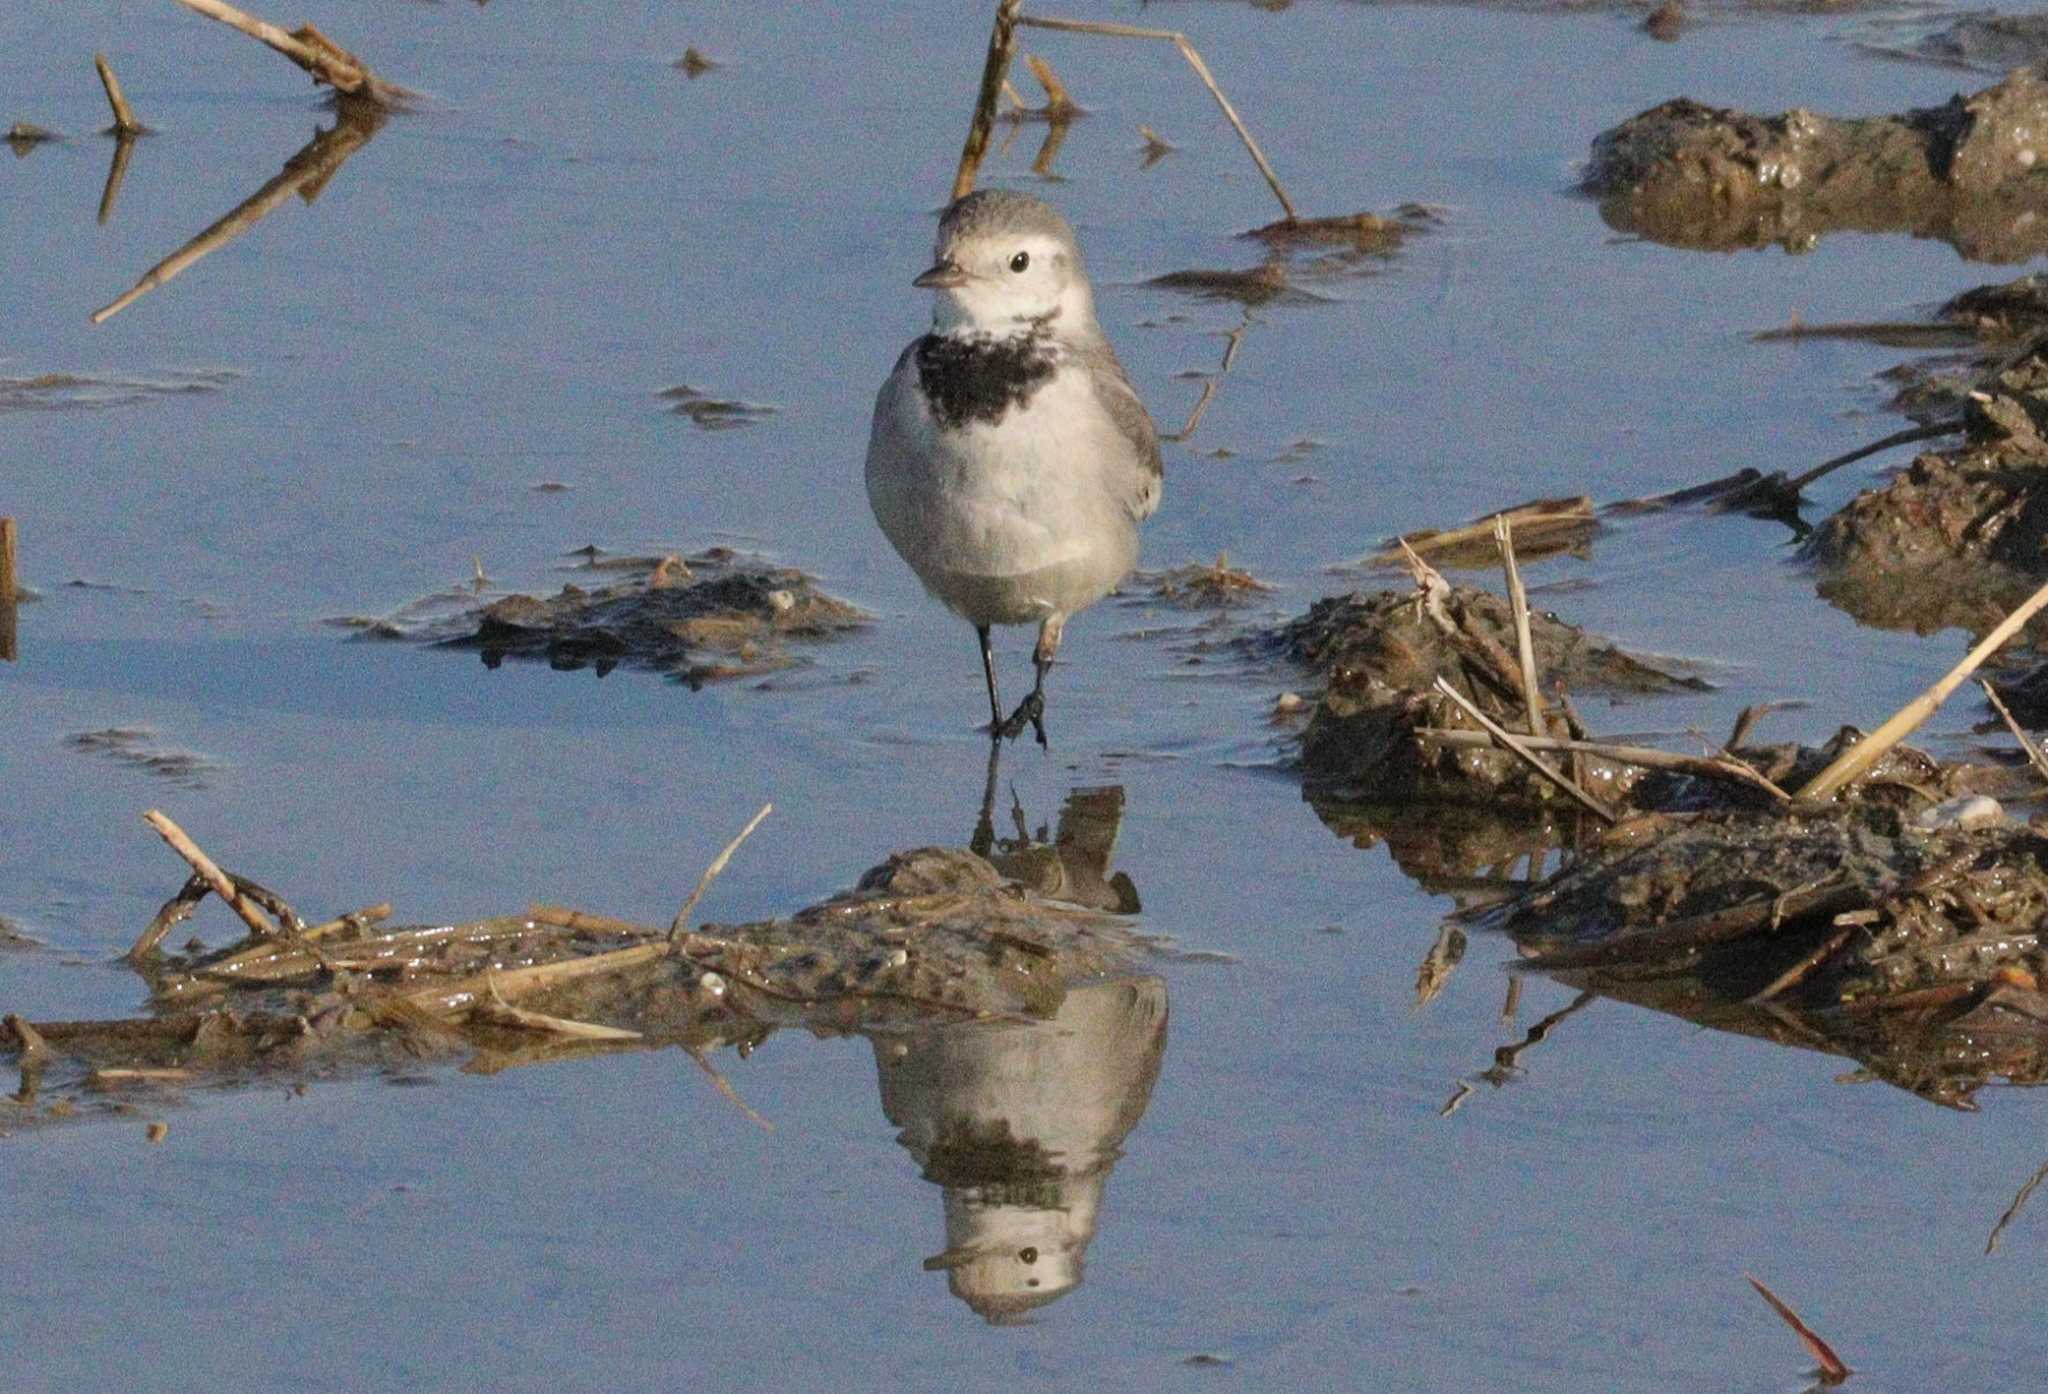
(1020, 261)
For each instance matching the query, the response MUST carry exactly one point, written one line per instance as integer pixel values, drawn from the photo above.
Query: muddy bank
(715, 615)
(1957, 538)
(1969, 173)
(1909, 941)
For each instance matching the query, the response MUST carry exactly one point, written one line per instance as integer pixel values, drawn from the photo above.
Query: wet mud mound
(715, 615)
(1908, 941)
(1987, 42)
(1380, 656)
(1970, 173)
(1960, 536)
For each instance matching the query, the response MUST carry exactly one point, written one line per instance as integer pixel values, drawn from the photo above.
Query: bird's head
(1006, 263)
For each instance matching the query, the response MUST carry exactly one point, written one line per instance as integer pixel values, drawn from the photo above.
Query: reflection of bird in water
(1020, 1126)
(1011, 461)
(1075, 865)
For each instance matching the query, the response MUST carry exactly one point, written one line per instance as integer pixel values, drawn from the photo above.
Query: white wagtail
(1011, 461)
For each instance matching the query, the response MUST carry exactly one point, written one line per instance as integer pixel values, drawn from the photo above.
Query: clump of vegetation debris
(929, 936)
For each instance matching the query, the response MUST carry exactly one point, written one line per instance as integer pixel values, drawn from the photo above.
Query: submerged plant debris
(712, 616)
(929, 937)
(1968, 173)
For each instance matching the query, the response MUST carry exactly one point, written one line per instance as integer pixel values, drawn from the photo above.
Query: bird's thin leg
(1032, 709)
(983, 840)
(988, 670)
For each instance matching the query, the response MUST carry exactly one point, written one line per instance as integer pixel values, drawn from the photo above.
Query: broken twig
(1832, 1370)
(125, 123)
(325, 60)
(1194, 60)
(216, 880)
(682, 919)
(1002, 40)
(1522, 752)
(1868, 751)
(2034, 756)
(2012, 1212)
(1518, 601)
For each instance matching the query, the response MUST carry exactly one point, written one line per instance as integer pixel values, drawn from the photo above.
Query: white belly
(1011, 522)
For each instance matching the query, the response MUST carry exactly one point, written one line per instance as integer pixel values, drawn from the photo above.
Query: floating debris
(96, 392)
(1543, 527)
(710, 413)
(1202, 585)
(25, 136)
(714, 616)
(693, 64)
(141, 748)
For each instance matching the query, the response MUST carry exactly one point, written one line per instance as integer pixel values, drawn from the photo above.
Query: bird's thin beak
(943, 274)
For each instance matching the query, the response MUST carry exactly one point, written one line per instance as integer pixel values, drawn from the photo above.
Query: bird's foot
(1030, 712)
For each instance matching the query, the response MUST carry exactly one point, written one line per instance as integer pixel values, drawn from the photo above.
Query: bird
(1010, 460)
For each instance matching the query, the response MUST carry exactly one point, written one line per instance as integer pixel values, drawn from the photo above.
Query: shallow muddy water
(353, 405)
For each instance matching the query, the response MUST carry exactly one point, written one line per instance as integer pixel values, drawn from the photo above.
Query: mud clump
(1959, 537)
(1380, 655)
(716, 615)
(1912, 943)
(1970, 173)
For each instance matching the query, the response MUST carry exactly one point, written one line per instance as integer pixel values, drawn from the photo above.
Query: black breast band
(979, 379)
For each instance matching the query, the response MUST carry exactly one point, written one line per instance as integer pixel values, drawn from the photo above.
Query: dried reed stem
(499, 1012)
(1868, 751)
(518, 982)
(1648, 757)
(1002, 40)
(1525, 643)
(125, 123)
(583, 922)
(2039, 761)
(1059, 103)
(1520, 749)
(682, 919)
(312, 50)
(1194, 60)
(1201, 408)
(216, 880)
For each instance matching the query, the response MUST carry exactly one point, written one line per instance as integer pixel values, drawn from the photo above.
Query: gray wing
(1133, 423)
